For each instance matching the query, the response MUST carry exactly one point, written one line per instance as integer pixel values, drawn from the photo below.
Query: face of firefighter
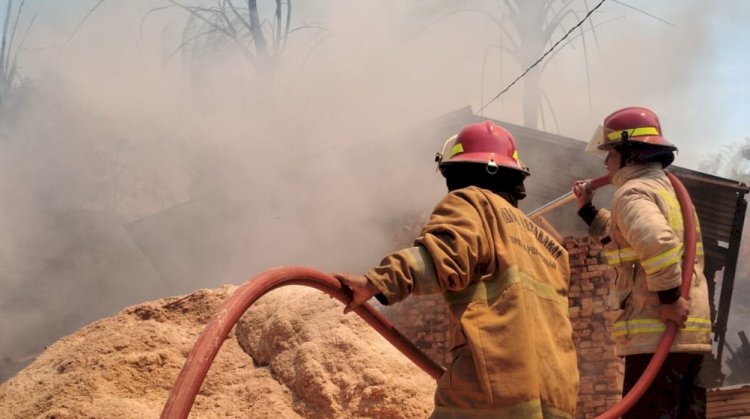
(612, 161)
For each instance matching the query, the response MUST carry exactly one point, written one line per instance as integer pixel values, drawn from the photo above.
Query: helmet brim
(654, 140)
(487, 158)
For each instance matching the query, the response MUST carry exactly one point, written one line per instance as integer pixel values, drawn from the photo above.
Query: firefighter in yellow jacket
(643, 242)
(504, 279)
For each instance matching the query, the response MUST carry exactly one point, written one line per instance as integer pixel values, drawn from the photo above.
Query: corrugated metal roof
(716, 202)
(729, 402)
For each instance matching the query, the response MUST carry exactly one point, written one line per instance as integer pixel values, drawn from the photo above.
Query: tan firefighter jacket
(645, 229)
(506, 283)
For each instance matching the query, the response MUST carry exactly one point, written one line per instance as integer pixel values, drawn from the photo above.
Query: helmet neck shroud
(506, 182)
(641, 153)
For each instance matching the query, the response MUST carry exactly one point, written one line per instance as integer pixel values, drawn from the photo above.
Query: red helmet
(482, 142)
(634, 124)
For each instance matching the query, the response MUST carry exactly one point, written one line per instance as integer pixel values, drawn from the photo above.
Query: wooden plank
(729, 391)
(731, 413)
(739, 404)
(728, 403)
(732, 397)
(727, 409)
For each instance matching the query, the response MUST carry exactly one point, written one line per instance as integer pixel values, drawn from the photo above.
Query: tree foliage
(531, 28)
(526, 29)
(10, 46)
(258, 30)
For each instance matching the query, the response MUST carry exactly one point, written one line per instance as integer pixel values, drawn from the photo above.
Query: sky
(691, 68)
(126, 161)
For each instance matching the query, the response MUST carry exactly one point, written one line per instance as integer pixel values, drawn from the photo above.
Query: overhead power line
(542, 57)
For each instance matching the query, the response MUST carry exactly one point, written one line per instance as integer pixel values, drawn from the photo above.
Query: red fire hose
(199, 360)
(688, 264)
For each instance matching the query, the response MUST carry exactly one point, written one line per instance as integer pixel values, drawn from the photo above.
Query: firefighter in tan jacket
(643, 241)
(504, 279)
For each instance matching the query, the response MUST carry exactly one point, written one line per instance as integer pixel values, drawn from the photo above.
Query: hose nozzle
(588, 186)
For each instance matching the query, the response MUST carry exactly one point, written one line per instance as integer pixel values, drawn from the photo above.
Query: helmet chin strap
(623, 149)
(624, 156)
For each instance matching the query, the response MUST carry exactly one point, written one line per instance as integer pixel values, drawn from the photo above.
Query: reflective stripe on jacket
(506, 283)
(646, 246)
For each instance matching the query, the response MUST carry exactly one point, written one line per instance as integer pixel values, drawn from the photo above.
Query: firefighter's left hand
(362, 289)
(676, 312)
(582, 192)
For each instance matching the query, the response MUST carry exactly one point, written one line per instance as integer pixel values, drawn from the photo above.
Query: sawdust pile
(308, 360)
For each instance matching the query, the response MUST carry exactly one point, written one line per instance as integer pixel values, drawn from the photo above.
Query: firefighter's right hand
(362, 289)
(583, 192)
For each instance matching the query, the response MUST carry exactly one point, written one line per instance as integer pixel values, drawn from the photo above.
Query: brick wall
(600, 370)
(423, 319)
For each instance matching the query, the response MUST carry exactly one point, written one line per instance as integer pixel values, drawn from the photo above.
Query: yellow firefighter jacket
(645, 229)
(506, 283)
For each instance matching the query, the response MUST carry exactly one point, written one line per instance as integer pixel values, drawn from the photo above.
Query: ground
(302, 358)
